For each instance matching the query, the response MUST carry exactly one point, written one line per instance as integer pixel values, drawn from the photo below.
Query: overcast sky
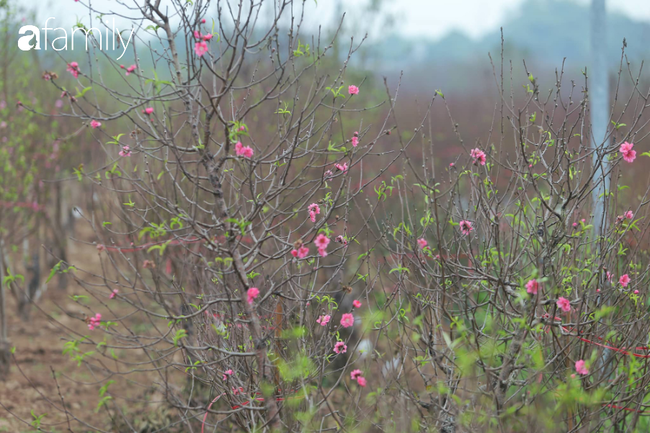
(421, 18)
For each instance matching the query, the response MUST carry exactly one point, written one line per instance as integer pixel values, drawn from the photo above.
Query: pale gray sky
(421, 18)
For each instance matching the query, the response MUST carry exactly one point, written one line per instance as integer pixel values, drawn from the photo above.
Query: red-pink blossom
(95, 124)
(355, 141)
(200, 48)
(314, 210)
(340, 347)
(581, 368)
(321, 241)
(252, 293)
(466, 227)
(113, 294)
(629, 215)
(226, 374)
(126, 151)
(347, 320)
(422, 243)
(323, 320)
(356, 303)
(148, 110)
(353, 90)
(624, 280)
(94, 322)
(300, 253)
(564, 304)
(362, 381)
(629, 155)
(73, 68)
(355, 374)
(130, 69)
(342, 167)
(478, 155)
(532, 286)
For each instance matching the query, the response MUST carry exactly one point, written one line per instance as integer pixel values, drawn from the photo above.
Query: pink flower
(466, 227)
(629, 215)
(580, 368)
(73, 68)
(130, 70)
(340, 347)
(564, 304)
(126, 151)
(353, 90)
(252, 293)
(245, 151)
(362, 381)
(322, 252)
(636, 292)
(314, 210)
(342, 167)
(226, 374)
(624, 280)
(207, 37)
(347, 320)
(323, 320)
(321, 241)
(532, 286)
(629, 155)
(478, 155)
(203, 21)
(609, 276)
(113, 294)
(355, 141)
(95, 124)
(341, 240)
(356, 303)
(355, 374)
(300, 253)
(197, 34)
(422, 243)
(148, 110)
(200, 48)
(94, 322)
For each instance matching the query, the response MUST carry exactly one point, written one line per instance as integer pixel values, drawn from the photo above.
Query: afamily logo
(32, 38)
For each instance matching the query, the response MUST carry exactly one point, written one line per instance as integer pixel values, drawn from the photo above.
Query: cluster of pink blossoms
(300, 253)
(73, 68)
(129, 70)
(323, 320)
(342, 167)
(245, 151)
(94, 321)
(532, 286)
(629, 155)
(252, 293)
(226, 374)
(478, 155)
(581, 368)
(627, 215)
(564, 304)
(358, 376)
(314, 210)
(321, 243)
(340, 347)
(126, 151)
(355, 139)
(466, 227)
(201, 47)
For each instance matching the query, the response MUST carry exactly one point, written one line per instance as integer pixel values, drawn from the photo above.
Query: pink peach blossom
(347, 320)
(466, 227)
(353, 90)
(356, 303)
(422, 243)
(340, 347)
(580, 367)
(95, 124)
(624, 280)
(478, 155)
(532, 286)
(323, 320)
(252, 293)
(200, 48)
(73, 68)
(629, 155)
(564, 304)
